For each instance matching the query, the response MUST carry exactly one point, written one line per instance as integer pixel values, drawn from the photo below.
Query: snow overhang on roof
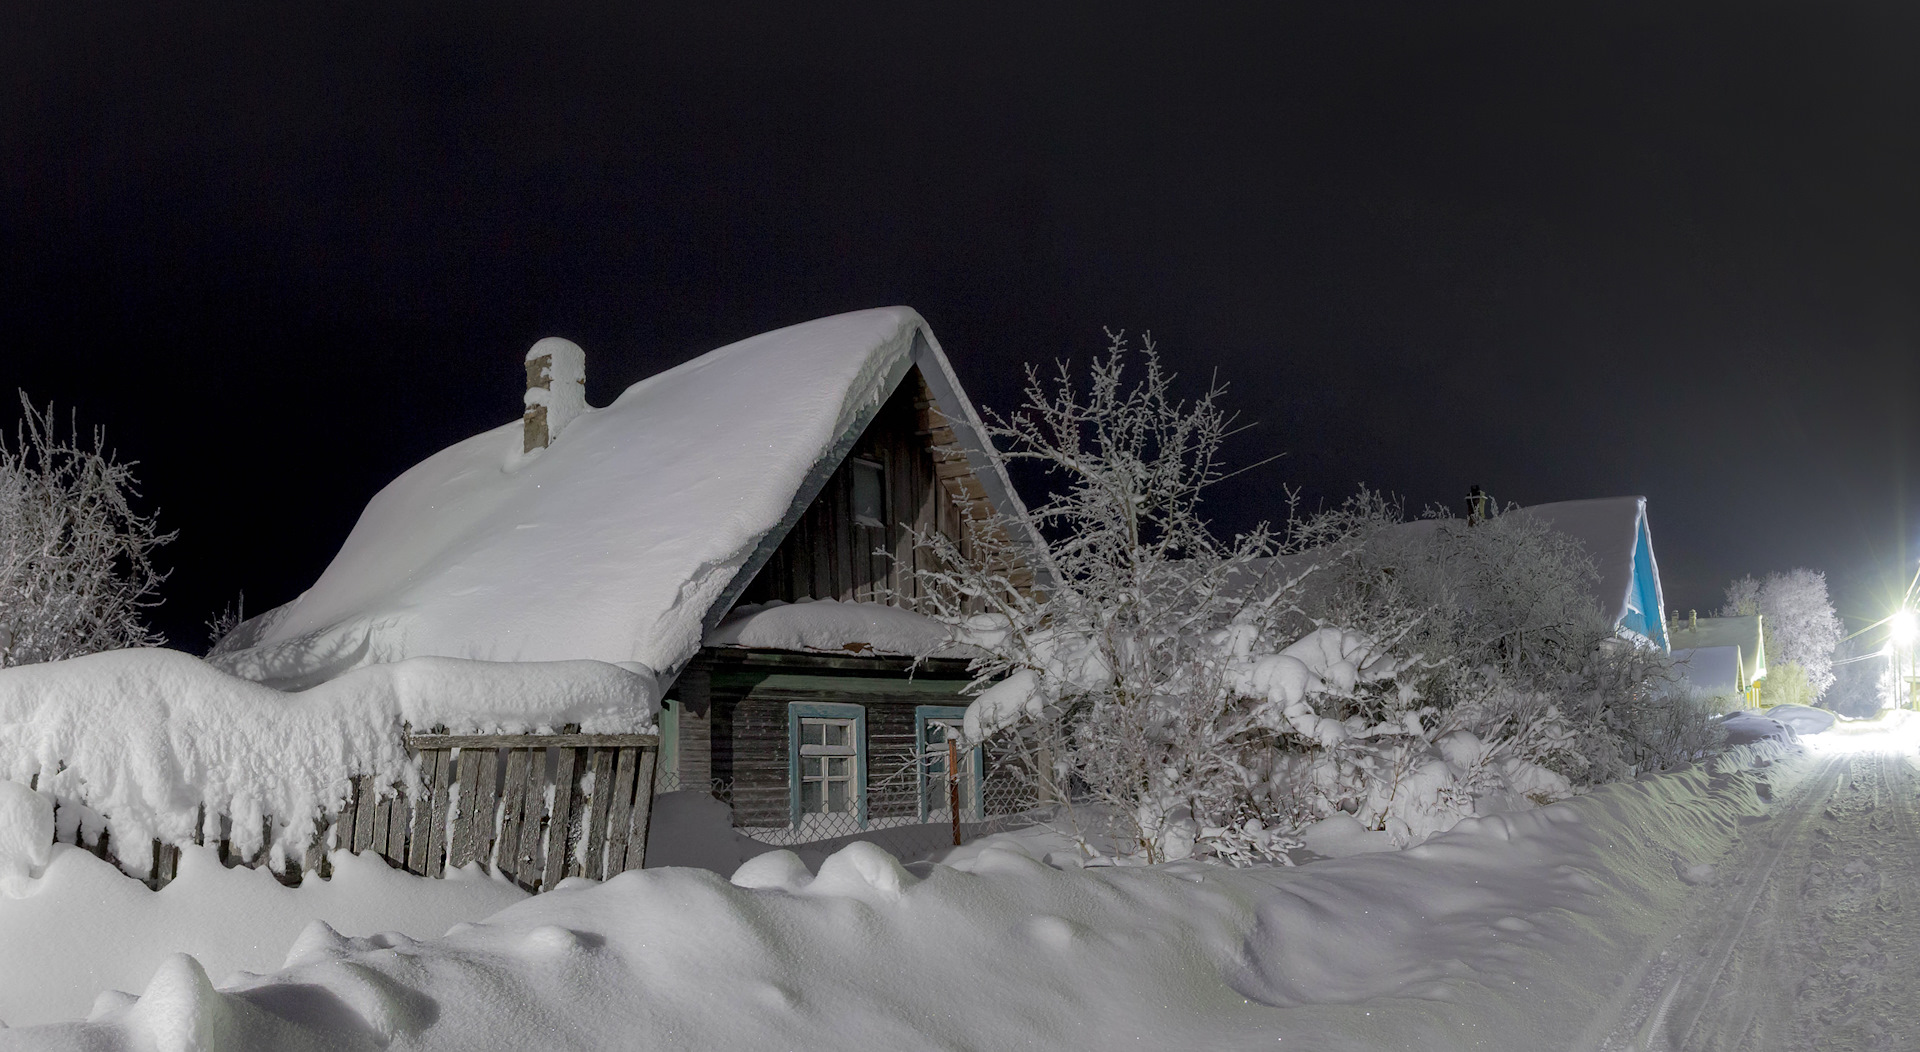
(1614, 532)
(629, 537)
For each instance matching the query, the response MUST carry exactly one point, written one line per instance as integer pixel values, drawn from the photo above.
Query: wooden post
(953, 784)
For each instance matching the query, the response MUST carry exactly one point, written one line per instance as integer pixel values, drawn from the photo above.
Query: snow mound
(107, 933)
(1804, 719)
(26, 835)
(830, 626)
(141, 740)
(1747, 726)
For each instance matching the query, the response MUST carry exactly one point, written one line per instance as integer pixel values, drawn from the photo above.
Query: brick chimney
(556, 390)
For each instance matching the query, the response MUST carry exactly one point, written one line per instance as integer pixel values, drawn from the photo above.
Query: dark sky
(283, 250)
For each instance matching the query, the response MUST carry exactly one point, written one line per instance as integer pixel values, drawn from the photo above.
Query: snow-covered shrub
(1213, 698)
(1513, 648)
(76, 567)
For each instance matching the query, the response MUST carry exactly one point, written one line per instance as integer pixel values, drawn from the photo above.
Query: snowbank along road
(1804, 934)
(1759, 901)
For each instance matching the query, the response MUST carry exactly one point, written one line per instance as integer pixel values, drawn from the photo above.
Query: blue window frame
(826, 761)
(931, 725)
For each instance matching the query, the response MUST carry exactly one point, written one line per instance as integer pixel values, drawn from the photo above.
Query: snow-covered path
(1804, 935)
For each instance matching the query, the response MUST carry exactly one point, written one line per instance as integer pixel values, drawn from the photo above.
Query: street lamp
(1902, 628)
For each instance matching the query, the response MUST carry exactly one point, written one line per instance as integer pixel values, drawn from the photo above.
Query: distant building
(1722, 655)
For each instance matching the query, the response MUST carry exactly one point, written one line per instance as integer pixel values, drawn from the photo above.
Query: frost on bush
(1173, 694)
(76, 569)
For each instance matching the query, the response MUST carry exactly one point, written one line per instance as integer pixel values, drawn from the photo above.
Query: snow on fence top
(625, 539)
(143, 740)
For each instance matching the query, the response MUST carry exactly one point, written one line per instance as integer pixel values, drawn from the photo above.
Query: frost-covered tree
(1107, 683)
(1799, 621)
(76, 559)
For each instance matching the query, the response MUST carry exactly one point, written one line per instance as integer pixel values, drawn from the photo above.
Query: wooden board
(527, 862)
(422, 816)
(513, 797)
(621, 808)
(642, 812)
(560, 829)
(485, 804)
(593, 861)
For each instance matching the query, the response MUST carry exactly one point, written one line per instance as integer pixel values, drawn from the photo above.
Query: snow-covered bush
(76, 566)
(1801, 629)
(1210, 697)
(1513, 648)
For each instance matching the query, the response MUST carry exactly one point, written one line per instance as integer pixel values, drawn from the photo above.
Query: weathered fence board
(534, 808)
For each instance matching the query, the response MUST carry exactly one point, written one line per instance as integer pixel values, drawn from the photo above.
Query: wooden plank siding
(750, 694)
(928, 484)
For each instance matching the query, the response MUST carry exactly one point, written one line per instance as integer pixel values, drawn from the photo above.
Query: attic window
(869, 489)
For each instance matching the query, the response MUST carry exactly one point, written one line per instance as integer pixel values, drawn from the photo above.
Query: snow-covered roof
(632, 534)
(1741, 633)
(1613, 530)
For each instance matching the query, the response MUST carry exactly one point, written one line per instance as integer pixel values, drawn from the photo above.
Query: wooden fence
(534, 808)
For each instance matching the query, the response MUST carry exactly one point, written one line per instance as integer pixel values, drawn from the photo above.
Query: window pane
(809, 797)
(838, 733)
(837, 796)
(869, 485)
(811, 731)
(810, 767)
(837, 766)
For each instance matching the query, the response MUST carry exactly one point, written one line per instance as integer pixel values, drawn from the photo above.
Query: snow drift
(141, 741)
(1440, 947)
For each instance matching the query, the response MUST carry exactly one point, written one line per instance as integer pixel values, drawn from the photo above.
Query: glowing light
(1904, 627)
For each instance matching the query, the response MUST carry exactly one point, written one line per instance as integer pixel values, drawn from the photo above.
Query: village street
(1804, 934)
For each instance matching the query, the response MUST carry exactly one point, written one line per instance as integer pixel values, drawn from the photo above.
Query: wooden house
(747, 486)
(1722, 655)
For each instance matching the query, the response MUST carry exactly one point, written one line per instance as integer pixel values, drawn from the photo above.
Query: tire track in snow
(1852, 941)
(1664, 982)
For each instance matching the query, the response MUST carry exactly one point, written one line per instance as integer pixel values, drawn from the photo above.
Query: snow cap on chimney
(556, 390)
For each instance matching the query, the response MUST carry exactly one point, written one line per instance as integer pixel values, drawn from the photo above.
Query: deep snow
(1516, 931)
(82, 928)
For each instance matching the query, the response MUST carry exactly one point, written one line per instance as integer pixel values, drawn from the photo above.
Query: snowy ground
(1757, 903)
(83, 927)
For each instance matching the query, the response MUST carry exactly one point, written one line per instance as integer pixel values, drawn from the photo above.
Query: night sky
(283, 250)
